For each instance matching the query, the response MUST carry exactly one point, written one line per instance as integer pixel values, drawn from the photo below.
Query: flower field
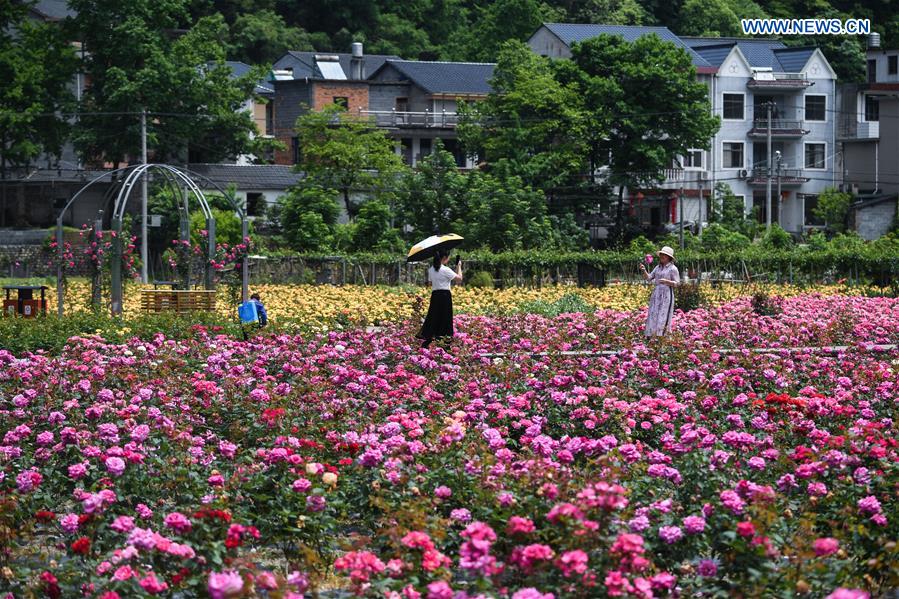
(722, 463)
(325, 305)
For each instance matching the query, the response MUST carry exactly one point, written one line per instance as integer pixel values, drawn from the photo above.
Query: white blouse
(441, 279)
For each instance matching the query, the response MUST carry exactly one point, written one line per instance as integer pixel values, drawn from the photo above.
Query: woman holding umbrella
(439, 320)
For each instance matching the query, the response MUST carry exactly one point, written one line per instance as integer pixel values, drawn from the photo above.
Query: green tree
(308, 217)
(134, 61)
(505, 214)
(530, 120)
(498, 22)
(433, 195)
(227, 227)
(709, 18)
(348, 155)
(37, 64)
(373, 231)
(645, 93)
(262, 37)
(833, 207)
(612, 12)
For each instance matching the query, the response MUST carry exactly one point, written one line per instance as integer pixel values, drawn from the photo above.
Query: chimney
(873, 40)
(357, 62)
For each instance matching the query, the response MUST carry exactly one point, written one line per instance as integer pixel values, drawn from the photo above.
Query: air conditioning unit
(744, 174)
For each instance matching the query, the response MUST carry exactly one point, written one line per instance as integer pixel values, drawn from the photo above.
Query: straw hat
(667, 251)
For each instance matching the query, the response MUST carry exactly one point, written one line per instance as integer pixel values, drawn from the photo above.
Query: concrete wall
(875, 221)
(859, 159)
(545, 43)
(889, 144)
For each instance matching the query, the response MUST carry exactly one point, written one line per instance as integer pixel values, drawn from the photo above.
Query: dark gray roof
(867, 200)
(303, 63)
(254, 176)
(442, 77)
(240, 69)
(765, 53)
(53, 10)
(570, 33)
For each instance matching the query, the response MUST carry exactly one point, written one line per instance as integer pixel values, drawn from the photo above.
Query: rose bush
(734, 459)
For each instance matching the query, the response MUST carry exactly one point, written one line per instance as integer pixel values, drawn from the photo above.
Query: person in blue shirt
(260, 310)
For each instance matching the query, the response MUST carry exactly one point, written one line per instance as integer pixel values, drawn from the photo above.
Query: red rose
(745, 529)
(82, 546)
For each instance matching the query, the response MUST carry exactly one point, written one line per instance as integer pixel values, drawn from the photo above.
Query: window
(295, 149)
(424, 147)
(892, 65)
(342, 101)
(872, 71)
(693, 159)
(809, 203)
(815, 156)
(872, 108)
(733, 107)
(733, 154)
(255, 204)
(401, 104)
(270, 118)
(406, 144)
(815, 108)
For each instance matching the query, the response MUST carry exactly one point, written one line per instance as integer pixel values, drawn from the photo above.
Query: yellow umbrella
(428, 248)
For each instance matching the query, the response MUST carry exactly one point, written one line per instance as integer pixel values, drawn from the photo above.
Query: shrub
(763, 304)
(688, 297)
(480, 279)
(569, 303)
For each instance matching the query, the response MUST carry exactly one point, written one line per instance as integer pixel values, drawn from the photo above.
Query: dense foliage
(475, 29)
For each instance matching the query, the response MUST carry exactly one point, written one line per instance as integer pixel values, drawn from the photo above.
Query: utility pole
(780, 201)
(768, 185)
(144, 254)
(701, 206)
(681, 210)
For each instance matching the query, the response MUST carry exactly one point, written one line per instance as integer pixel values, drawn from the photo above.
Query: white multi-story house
(743, 76)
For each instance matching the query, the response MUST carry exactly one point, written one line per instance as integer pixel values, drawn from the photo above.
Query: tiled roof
(765, 53)
(53, 10)
(570, 33)
(254, 176)
(303, 63)
(239, 69)
(444, 77)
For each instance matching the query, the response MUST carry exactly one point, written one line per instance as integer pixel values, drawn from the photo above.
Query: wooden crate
(177, 300)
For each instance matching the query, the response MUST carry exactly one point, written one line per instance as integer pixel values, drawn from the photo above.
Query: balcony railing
(400, 118)
(769, 80)
(788, 176)
(779, 128)
(859, 130)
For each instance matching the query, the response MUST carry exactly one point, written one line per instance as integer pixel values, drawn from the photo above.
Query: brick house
(309, 80)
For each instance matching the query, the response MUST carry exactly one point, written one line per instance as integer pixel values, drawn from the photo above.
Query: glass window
(809, 204)
(872, 108)
(816, 108)
(872, 71)
(892, 65)
(733, 155)
(733, 106)
(693, 159)
(814, 156)
(342, 101)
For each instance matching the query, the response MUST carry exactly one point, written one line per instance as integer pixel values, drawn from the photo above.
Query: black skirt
(439, 321)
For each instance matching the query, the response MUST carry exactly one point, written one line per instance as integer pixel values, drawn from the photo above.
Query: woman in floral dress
(665, 277)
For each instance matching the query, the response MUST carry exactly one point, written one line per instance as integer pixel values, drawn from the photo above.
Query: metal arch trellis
(176, 178)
